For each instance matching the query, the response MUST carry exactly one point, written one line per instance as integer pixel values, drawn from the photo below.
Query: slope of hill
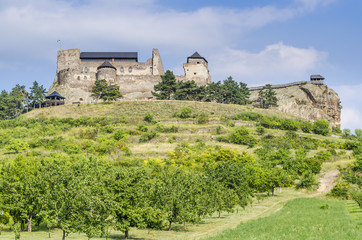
(224, 160)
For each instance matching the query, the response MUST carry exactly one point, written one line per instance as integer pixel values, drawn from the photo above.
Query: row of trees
(19, 100)
(78, 194)
(229, 92)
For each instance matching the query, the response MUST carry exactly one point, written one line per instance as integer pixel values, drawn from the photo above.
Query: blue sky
(256, 42)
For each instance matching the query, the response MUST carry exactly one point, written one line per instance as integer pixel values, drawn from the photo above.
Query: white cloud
(312, 4)
(351, 118)
(352, 105)
(31, 28)
(277, 62)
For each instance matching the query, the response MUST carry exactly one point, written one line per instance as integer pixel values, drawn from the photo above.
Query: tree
(267, 97)
(165, 89)
(37, 94)
(189, 90)
(175, 194)
(101, 90)
(16, 100)
(235, 93)
(112, 93)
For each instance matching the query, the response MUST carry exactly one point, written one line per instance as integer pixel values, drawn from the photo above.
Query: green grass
(137, 109)
(300, 219)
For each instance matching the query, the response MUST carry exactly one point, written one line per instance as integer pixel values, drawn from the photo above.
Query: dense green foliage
(18, 100)
(103, 90)
(267, 97)
(229, 92)
(79, 175)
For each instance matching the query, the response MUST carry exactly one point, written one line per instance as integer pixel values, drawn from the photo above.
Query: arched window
(130, 69)
(151, 69)
(122, 69)
(85, 69)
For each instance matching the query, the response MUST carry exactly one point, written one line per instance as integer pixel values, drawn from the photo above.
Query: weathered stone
(75, 78)
(308, 101)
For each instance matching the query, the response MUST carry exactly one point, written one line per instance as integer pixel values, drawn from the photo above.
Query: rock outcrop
(308, 101)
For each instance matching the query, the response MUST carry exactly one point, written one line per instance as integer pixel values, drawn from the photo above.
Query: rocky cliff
(308, 101)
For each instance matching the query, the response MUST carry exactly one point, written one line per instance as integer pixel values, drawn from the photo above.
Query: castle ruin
(77, 71)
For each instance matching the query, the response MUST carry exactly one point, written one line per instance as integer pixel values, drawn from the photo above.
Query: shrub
(148, 118)
(17, 146)
(306, 127)
(107, 129)
(120, 134)
(147, 136)
(260, 130)
(321, 127)
(357, 197)
(141, 127)
(241, 135)
(339, 191)
(202, 118)
(307, 180)
(289, 124)
(336, 130)
(186, 112)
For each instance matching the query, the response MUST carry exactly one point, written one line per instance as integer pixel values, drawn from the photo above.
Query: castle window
(151, 69)
(130, 69)
(78, 78)
(80, 99)
(85, 69)
(194, 73)
(122, 70)
(198, 62)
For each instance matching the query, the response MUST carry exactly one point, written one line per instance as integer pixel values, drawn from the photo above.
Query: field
(304, 218)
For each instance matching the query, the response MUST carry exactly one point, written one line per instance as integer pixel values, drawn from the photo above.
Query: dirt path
(327, 182)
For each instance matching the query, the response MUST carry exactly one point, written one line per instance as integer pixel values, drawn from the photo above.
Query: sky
(256, 42)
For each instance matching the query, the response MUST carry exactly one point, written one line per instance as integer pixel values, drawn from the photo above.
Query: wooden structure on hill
(54, 99)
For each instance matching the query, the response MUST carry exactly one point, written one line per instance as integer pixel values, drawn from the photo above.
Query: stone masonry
(77, 72)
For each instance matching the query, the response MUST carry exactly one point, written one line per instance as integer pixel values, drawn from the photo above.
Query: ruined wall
(308, 101)
(75, 78)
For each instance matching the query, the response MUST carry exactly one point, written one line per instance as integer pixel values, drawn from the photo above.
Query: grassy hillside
(247, 153)
(137, 109)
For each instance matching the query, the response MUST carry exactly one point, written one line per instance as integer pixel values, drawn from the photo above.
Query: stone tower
(197, 69)
(107, 71)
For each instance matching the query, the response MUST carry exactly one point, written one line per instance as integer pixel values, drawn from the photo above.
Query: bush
(357, 197)
(242, 136)
(107, 129)
(148, 118)
(340, 191)
(120, 134)
(321, 127)
(186, 112)
(147, 136)
(336, 130)
(306, 127)
(307, 180)
(260, 130)
(141, 127)
(202, 118)
(289, 124)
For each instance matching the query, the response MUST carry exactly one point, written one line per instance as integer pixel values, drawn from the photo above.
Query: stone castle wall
(75, 78)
